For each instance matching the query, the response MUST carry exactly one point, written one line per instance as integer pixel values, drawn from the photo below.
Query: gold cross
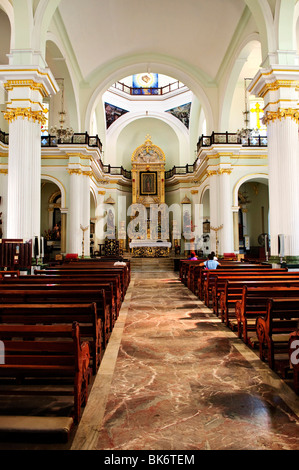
(257, 110)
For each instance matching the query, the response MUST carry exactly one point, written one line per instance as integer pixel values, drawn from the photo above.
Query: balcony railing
(204, 141)
(232, 139)
(148, 91)
(4, 138)
(76, 139)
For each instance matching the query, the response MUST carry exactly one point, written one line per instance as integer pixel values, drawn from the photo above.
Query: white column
(279, 88)
(214, 206)
(26, 89)
(226, 215)
(74, 214)
(85, 214)
(3, 204)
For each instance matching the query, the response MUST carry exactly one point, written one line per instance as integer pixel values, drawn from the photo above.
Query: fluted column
(85, 215)
(279, 88)
(226, 215)
(25, 114)
(214, 207)
(74, 218)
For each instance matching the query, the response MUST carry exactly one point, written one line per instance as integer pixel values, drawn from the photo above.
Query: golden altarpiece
(148, 188)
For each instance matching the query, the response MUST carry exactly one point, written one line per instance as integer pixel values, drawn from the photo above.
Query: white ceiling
(197, 32)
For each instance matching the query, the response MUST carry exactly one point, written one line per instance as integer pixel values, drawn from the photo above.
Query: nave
(175, 378)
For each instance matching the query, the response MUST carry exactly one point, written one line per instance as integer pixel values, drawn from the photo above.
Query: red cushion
(71, 256)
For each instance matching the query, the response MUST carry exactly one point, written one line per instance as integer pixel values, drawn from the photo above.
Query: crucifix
(258, 111)
(216, 229)
(83, 230)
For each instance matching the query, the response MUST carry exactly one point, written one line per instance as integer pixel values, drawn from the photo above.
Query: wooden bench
(228, 290)
(254, 304)
(63, 296)
(45, 352)
(49, 314)
(102, 272)
(274, 329)
(36, 283)
(212, 277)
(240, 269)
(294, 358)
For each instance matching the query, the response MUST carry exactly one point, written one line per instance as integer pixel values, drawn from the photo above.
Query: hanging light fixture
(245, 133)
(62, 134)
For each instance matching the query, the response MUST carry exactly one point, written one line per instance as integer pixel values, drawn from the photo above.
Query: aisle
(174, 378)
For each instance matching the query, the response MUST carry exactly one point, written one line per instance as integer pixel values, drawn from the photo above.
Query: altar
(150, 248)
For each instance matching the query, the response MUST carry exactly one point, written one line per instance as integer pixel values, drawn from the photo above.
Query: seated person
(193, 256)
(211, 263)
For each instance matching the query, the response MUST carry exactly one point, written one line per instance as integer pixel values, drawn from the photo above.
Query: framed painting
(148, 183)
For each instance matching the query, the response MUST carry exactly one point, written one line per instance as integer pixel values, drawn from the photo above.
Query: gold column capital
(280, 114)
(25, 113)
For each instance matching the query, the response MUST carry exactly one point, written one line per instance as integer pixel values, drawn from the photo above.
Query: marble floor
(174, 378)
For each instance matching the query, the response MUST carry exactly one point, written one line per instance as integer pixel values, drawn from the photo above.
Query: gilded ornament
(13, 113)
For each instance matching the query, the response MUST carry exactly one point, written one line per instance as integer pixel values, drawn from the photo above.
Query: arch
(42, 18)
(240, 60)
(74, 98)
(263, 17)
(60, 186)
(243, 180)
(121, 123)
(286, 36)
(165, 65)
(6, 6)
(204, 190)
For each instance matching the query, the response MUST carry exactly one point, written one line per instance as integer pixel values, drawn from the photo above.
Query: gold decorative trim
(13, 113)
(74, 171)
(11, 84)
(212, 172)
(4, 171)
(87, 173)
(102, 193)
(222, 171)
(280, 114)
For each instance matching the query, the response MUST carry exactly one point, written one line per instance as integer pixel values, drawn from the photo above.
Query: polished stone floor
(174, 378)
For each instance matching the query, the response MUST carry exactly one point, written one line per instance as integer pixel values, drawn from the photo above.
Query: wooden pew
(294, 358)
(85, 315)
(274, 329)
(52, 352)
(254, 304)
(36, 282)
(212, 276)
(93, 266)
(240, 269)
(227, 290)
(66, 296)
(89, 273)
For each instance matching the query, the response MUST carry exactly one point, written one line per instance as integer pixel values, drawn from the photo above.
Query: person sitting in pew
(211, 263)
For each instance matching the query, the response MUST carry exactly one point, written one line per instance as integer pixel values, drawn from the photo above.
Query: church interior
(123, 156)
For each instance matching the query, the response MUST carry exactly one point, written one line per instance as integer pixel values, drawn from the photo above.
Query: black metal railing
(204, 141)
(76, 139)
(148, 90)
(4, 138)
(232, 139)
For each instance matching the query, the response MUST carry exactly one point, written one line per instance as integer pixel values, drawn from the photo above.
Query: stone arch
(129, 66)
(240, 60)
(121, 123)
(245, 179)
(6, 6)
(71, 95)
(60, 186)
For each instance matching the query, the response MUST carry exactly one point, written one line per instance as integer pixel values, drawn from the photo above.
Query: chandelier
(62, 134)
(245, 132)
